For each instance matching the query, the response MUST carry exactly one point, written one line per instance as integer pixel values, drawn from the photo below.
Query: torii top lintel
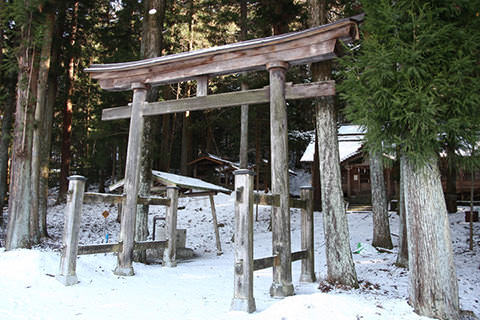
(307, 46)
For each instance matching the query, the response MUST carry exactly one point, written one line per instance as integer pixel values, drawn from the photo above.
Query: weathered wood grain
(215, 225)
(132, 177)
(73, 210)
(281, 243)
(222, 100)
(153, 200)
(99, 248)
(316, 44)
(94, 197)
(308, 264)
(243, 299)
(268, 262)
(169, 255)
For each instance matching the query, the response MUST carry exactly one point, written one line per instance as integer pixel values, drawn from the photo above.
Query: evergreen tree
(415, 80)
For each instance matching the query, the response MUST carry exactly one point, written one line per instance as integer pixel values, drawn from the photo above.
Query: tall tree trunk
(244, 86)
(7, 121)
(402, 257)
(340, 266)
(152, 42)
(381, 226)
(47, 127)
(40, 112)
(68, 111)
(433, 288)
(186, 152)
(451, 192)
(19, 206)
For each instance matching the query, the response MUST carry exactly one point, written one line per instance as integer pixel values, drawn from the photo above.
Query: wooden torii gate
(275, 54)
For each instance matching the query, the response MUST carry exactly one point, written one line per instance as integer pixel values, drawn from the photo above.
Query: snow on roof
(187, 182)
(346, 149)
(349, 143)
(171, 179)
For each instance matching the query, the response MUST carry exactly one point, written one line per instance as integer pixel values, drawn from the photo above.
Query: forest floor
(202, 287)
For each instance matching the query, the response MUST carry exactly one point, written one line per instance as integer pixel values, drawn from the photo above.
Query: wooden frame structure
(245, 264)
(274, 54)
(185, 186)
(73, 211)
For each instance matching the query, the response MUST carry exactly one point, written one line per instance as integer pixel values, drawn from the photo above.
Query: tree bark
(68, 111)
(152, 41)
(433, 288)
(381, 226)
(340, 266)
(7, 121)
(40, 115)
(19, 206)
(402, 257)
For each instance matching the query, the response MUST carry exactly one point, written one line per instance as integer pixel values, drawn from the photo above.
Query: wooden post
(243, 247)
(170, 253)
(281, 243)
(68, 261)
(215, 224)
(132, 178)
(202, 86)
(308, 264)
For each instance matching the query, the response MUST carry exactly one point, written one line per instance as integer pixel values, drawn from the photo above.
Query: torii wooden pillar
(132, 178)
(281, 243)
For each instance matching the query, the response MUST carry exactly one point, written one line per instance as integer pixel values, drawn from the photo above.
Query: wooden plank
(99, 248)
(222, 100)
(153, 200)
(263, 263)
(94, 197)
(196, 194)
(299, 255)
(144, 245)
(215, 225)
(268, 262)
(297, 203)
(266, 199)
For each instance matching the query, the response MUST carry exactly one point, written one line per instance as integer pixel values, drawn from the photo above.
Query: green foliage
(415, 78)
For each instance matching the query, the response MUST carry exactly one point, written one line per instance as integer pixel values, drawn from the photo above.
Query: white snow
(202, 287)
(349, 143)
(346, 149)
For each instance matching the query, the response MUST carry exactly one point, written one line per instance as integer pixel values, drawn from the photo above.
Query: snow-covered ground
(202, 287)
